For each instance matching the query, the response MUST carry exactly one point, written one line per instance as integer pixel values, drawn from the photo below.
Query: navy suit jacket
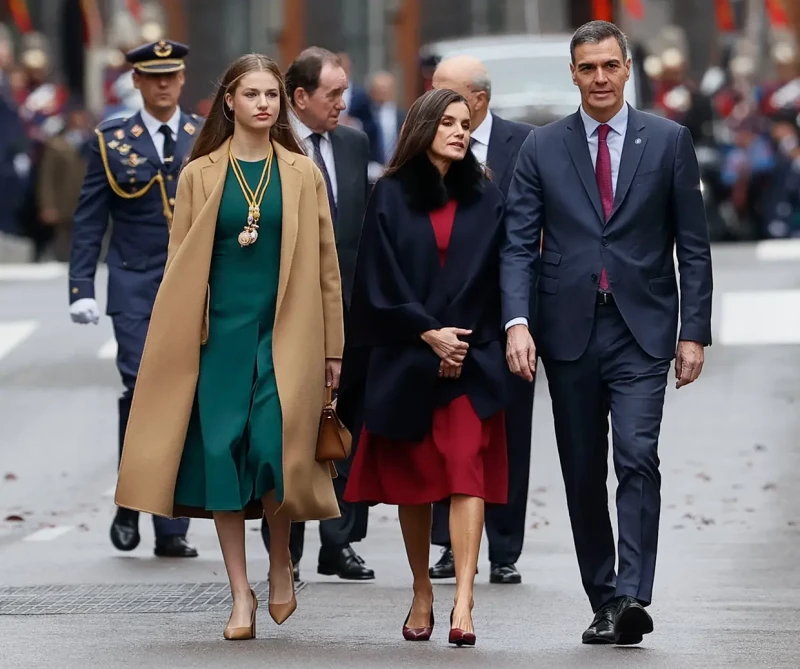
(123, 159)
(658, 212)
(504, 145)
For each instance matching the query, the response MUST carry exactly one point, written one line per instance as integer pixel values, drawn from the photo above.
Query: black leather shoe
(504, 573)
(296, 570)
(602, 628)
(175, 547)
(344, 563)
(445, 567)
(125, 530)
(631, 622)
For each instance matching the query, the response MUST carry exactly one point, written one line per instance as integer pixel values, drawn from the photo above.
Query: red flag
(20, 15)
(603, 10)
(777, 13)
(725, 19)
(635, 8)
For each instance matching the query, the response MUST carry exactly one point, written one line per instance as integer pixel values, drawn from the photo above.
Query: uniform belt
(604, 298)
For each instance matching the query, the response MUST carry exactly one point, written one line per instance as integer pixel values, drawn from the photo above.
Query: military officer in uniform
(132, 179)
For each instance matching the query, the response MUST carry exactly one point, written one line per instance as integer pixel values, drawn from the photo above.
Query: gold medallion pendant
(249, 235)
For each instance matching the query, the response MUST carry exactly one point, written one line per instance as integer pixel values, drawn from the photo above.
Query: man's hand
(333, 370)
(85, 311)
(521, 352)
(689, 360)
(447, 345)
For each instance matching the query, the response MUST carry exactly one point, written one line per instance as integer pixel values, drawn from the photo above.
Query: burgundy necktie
(602, 173)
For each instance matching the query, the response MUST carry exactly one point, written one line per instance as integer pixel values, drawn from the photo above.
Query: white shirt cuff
(517, 321)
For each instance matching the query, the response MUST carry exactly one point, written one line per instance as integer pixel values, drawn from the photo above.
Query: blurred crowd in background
(729, 72)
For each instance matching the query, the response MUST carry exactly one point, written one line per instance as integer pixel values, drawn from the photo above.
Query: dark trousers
(505, 523)
(130, 332)
(613, 375)
(334, 533)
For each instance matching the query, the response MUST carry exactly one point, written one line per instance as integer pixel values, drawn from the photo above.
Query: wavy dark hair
(420, 127)
(219, 125)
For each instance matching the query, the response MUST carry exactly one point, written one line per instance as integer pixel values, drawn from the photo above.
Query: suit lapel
(578, 147)
(141, 142)
(632, 150)
(183, 143)
(291, 189)
(497, 153)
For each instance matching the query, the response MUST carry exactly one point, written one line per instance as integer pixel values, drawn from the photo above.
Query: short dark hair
(595, 32)
(305, 70)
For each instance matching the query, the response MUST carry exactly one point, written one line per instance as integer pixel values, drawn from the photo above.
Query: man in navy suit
(495, 142)
(132, 177)
(614, 192)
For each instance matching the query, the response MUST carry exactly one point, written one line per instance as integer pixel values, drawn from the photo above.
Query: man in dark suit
(615, 192)
(315, 83)
(132, 177)
(496, 142)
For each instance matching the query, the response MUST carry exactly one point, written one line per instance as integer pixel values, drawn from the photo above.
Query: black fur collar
(425, 190)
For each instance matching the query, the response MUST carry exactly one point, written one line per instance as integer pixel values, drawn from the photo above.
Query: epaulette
(113, 123)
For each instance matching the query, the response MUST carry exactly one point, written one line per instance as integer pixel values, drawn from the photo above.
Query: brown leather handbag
(334, 440)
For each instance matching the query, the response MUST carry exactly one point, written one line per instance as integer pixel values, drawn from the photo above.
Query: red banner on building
(20, 15)
(777, 13)
(603, 10)
(726, 21)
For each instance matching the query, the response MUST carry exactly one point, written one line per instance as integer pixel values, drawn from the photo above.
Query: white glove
(85, 311)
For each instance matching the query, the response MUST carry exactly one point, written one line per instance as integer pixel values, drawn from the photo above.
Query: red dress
(462, 455)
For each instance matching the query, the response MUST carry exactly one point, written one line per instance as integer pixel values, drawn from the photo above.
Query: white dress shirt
(480, 139)
(325, 148)
(152, 125)
(615, 140)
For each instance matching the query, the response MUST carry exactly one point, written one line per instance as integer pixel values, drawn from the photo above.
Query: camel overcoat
(308, 329)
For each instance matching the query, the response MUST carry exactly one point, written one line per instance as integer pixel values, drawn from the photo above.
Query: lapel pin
(638, 140)
(137, 130)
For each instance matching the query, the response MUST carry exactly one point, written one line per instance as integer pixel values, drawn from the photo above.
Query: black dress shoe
(344, 563)
(175, 547)
(125, 530)
(631, 622)
(296, 569)
(504, 573)
(602, 628)
(445, 567)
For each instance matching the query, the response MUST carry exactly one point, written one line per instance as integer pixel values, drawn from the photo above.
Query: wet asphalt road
(728, 580)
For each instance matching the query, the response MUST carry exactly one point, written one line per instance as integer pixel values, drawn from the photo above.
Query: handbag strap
(328, 396)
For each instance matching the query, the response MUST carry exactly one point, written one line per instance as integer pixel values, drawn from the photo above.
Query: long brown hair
(219, 124)
(421, 124)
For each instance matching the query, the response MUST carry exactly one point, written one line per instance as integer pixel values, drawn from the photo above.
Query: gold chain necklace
(250, 233)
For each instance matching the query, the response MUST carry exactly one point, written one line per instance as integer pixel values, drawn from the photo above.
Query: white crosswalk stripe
(32, 271)
(751, 318)
(772, 250)
(13, 334)
(109, 350)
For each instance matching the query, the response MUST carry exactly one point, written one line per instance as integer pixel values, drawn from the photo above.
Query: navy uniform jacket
(126, 182)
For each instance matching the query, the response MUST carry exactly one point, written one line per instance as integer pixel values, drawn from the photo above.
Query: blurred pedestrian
(616, 195)
(131, 178)
(315, 84)
(494, 141)
(424, 383)
(246, 333)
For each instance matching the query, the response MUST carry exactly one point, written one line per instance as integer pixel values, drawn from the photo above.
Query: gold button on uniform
(75, 291)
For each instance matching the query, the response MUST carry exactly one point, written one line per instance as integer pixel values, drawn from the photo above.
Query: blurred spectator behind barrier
(60, 178)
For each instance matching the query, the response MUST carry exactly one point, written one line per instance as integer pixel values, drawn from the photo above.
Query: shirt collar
(618, 123)
(484, 131)
(302, 130)
(153, 124)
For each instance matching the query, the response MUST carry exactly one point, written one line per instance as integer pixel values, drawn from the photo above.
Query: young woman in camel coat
(162, 449)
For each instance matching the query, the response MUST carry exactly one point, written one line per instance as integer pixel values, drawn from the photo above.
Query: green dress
(234, 452)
